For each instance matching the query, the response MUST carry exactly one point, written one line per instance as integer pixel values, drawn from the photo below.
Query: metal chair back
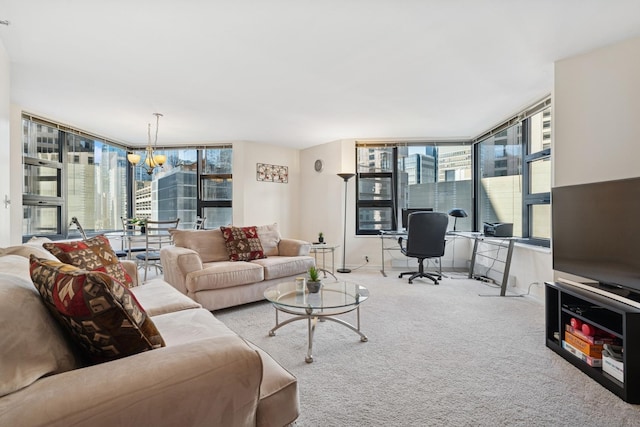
(156, 236)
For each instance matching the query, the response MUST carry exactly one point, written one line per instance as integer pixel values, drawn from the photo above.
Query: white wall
(321, 196)
(597, 115)
(257, 202)
(5, 148)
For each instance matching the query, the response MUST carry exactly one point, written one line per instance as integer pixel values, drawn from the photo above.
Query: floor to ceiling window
(194, 182)
(502, 176)
(513, 175)
(216, 185)
(393, 176)
(70, 173)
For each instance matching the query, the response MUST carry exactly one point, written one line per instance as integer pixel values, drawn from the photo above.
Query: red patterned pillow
(102, 315)
(243, 243)
(94, 254)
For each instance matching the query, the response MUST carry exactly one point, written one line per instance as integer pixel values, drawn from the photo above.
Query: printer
(498, 229)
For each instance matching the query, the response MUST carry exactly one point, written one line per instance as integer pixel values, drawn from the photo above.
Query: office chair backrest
(425, 234)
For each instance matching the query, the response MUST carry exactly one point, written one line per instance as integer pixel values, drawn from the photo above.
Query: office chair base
(419, 274)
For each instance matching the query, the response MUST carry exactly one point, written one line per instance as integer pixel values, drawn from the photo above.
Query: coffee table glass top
(331, 295)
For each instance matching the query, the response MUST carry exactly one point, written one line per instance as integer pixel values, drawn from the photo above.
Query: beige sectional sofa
(199, 266)
(206, 374)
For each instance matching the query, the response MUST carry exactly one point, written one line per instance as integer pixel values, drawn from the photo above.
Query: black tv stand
(605, 311)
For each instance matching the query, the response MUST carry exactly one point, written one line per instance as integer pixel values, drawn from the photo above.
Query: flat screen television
(596, 233)
(407, 211)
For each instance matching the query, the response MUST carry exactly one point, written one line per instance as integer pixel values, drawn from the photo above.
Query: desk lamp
(457, 213)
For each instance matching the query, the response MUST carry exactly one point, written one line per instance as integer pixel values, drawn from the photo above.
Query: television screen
(596, 232)
(407, 211)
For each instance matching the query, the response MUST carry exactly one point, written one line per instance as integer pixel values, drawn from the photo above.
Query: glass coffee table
(334, 298)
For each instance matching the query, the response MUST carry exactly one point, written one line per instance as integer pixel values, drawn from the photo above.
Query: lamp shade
(457, 213)
(133, 158)
(346, 176)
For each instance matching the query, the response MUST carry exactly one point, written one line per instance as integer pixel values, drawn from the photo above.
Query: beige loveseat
(206, 375)
(199, 266)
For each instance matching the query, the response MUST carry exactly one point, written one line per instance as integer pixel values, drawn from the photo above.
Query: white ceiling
(295, 72)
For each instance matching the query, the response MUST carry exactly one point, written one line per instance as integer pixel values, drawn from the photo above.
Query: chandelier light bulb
(151, 159)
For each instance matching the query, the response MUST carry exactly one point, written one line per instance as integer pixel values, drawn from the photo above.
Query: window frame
(395, 176)
(384, 203)
(59, 201)
(63, 227)
(528, 199)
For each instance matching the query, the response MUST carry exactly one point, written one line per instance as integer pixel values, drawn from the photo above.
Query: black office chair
(425, 239)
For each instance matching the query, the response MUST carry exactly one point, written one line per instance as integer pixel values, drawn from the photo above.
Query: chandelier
(151, 160)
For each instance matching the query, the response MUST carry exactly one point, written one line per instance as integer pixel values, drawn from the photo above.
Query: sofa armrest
(216, 382)
(132, 270)
(177, 262)
(293, 247)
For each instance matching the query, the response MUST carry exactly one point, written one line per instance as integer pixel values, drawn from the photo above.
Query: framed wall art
(272, 173)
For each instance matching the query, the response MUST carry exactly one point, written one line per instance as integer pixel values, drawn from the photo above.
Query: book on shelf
(613, 368)
(590, 338)
(591, 361)
(593, 350)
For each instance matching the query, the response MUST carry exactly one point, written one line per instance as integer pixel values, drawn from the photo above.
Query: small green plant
(314, 274)
(320, 235)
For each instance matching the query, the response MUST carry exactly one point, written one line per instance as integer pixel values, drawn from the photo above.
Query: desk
(394, 235)
(323, 248)
(506, 242)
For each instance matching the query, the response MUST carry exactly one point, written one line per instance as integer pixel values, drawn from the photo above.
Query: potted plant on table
(142, 223)
(314, 283)
(320, 237)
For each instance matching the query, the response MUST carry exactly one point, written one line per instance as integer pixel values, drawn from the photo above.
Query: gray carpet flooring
(436, 356)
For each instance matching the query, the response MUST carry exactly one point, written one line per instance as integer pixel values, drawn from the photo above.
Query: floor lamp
(346, 177)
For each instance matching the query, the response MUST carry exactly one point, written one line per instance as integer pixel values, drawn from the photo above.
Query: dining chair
(199, 224)
(74, 221)
(131, 231)
(156, 236)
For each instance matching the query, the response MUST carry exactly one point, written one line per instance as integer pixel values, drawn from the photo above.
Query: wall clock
(318, 165)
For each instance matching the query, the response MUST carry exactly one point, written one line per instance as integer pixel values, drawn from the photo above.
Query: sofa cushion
(269, 238)
(278, 389)
(243, 243)
(225, 274)
(185, 326)
(94, 254)
(26, 249)
(209, 244)
(281, 266)
(32, 344)
(158, 297)
(102, 315)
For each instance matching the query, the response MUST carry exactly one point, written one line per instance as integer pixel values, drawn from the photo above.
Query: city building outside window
(192, 183)
(394, 176)
(69, 173)
(513, 176)
(503, 176)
